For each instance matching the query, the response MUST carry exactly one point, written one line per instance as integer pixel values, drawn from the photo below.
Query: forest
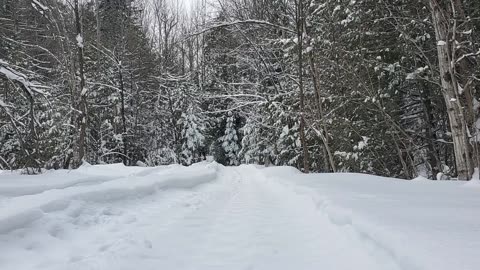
(384, 87)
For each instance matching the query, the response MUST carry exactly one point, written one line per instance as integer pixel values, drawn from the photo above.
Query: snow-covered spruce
(230, 141)
(193, 138)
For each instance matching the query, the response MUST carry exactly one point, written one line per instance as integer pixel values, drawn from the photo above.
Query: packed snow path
(236, 218)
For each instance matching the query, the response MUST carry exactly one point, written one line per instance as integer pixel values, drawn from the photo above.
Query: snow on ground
(207, 216)
(420, 224)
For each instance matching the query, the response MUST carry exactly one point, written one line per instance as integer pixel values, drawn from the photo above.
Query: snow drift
(207, 216)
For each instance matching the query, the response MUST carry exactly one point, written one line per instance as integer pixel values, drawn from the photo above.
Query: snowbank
(430, 225)
(56, 194)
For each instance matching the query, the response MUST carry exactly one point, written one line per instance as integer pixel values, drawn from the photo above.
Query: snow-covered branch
(14, 75)
(243, 22)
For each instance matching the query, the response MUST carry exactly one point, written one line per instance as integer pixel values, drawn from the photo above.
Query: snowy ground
(210, 217)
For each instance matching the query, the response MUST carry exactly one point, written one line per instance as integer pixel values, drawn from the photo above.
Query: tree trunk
(122, 112)
(324, 130)
(300, 23)
(406, 171)
(432, 158)
(458, 124)
(82, 108)
(98, 21)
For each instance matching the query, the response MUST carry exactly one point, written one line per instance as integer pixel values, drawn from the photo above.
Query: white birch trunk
(455, 110)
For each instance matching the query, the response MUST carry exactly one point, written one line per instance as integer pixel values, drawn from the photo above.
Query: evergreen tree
(250, 146)
(193, 139)
(230, 141)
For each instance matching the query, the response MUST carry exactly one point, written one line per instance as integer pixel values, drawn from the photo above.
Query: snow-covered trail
(241, 220)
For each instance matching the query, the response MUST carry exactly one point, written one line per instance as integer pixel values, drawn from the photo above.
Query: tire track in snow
(256, 223)
(164, 231)
(243, 220)
(97, 234)
(296, 222)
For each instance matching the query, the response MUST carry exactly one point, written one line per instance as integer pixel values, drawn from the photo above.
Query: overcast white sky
(189, 3)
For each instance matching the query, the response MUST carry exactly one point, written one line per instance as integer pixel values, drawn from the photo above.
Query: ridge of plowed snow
(22, 210)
